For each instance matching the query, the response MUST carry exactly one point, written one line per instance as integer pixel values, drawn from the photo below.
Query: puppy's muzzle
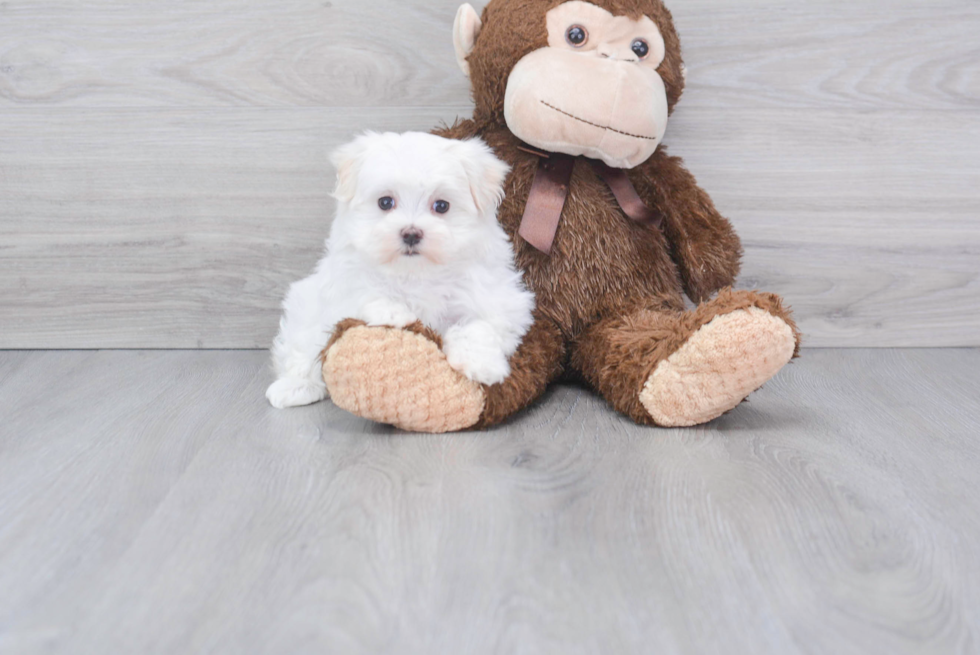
(412, 236)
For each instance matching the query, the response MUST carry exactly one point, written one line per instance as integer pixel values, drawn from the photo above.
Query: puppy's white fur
(460, 279)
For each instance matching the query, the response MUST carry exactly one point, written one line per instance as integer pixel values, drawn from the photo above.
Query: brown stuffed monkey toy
(609, 230)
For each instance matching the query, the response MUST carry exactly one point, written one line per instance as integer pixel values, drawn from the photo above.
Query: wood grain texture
(111, 53)
(904, 54)
(163, 169)
(154, 503)
(342, 53)
(145, 228)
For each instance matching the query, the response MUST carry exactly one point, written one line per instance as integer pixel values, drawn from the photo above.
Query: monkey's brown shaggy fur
(610, 295)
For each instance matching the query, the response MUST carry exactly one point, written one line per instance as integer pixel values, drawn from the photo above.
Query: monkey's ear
(466, 28)
(486, 175)
(347, 160)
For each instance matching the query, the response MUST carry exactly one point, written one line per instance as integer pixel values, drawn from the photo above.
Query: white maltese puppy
(416, 238)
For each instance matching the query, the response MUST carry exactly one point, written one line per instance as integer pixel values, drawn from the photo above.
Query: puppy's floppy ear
(347, 160)
(486, 174)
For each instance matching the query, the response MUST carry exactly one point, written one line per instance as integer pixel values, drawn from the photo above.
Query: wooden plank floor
(152, 502)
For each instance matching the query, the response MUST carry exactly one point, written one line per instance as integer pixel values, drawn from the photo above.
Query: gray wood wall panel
(868, 54)
(163, 169)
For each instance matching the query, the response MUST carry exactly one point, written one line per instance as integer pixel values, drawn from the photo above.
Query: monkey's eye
(577, 36)
(640, 48)
(387, 203)
(440, 207)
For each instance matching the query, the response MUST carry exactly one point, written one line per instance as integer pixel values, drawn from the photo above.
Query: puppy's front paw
(475, 351)
(387, 312)
(294, 392)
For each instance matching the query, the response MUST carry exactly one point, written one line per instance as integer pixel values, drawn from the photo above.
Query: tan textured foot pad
(718, 367)
(400, 378)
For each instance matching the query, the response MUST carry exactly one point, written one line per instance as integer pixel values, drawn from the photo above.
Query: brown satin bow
(550, 189)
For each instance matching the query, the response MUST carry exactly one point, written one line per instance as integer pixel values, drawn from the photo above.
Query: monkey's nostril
(411, 237)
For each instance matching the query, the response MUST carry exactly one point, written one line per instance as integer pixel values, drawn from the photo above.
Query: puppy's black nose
(411, 236)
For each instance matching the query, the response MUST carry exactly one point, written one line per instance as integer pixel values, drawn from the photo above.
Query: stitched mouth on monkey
(601, 127)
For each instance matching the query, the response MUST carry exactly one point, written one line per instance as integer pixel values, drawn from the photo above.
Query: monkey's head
(592, 78)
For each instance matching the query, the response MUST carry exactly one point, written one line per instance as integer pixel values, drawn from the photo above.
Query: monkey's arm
(702, 242)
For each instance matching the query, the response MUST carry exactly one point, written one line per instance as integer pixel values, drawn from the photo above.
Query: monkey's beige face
(594, 90)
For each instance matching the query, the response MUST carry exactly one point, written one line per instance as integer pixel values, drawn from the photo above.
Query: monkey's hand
(707, 265)
(702, 242)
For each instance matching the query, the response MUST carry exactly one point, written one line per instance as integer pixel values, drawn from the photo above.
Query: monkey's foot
(723, 362)
(400, 377)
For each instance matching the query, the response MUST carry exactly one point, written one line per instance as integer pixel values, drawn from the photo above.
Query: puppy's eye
(577, 36)
(440, 206)
(387, 203)
(640, 48)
